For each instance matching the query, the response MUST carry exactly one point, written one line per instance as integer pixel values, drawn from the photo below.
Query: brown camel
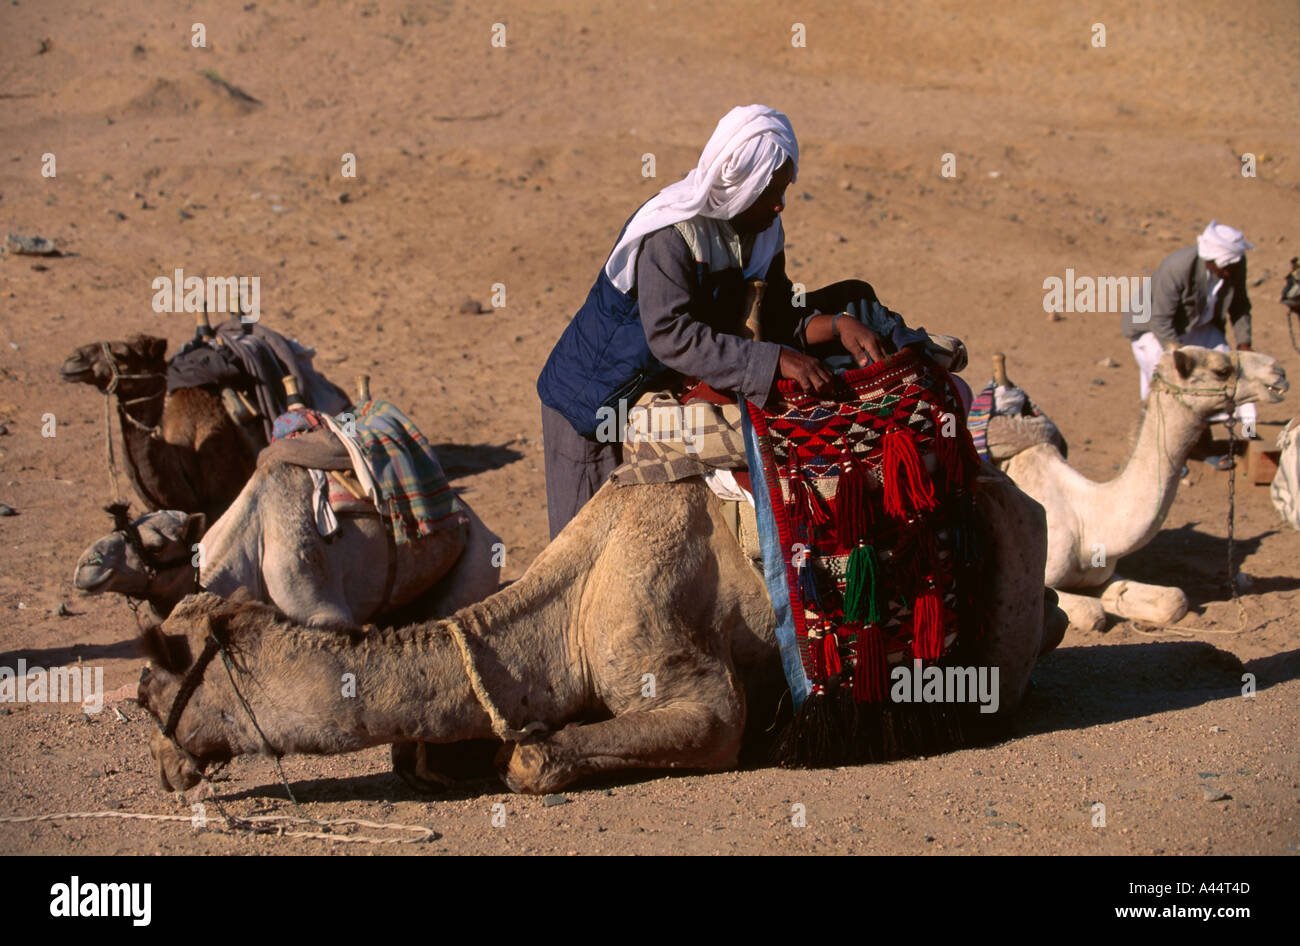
(181, 450)
(641, 637)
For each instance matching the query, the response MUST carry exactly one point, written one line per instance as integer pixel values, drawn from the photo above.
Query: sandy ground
(481, 165)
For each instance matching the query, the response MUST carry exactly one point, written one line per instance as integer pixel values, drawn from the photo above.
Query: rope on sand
(257, 824)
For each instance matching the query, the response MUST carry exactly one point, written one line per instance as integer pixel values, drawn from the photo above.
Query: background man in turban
(668, 305)
(1194, 292)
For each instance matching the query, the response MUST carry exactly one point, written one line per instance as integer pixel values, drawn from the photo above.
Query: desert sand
(480, 165)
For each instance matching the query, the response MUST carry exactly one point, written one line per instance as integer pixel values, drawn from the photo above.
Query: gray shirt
(690, 315)
(1179, 292)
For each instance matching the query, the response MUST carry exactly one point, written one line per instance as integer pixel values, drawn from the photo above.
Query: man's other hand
(859, 341)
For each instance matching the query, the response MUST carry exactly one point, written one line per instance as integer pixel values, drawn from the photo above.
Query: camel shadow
(466, 459)
(1079, 687)
(1198, 564)
(69, 654)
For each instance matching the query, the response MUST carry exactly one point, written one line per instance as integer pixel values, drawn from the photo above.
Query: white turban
(746, 149)
(1221, 244)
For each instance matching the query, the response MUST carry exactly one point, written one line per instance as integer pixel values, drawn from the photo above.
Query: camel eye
(1223, 371)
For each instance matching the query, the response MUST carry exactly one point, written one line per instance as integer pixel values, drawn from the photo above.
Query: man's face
(759, 215)
(1223, 272)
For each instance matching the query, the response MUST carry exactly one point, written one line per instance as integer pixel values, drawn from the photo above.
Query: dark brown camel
(181, 450)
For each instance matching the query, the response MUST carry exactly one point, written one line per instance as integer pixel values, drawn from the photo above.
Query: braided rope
(499, 724)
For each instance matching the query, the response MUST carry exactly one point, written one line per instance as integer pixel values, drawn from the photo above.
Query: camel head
(150, 558)
(208, 727)
(1210, 382)
(138, 355)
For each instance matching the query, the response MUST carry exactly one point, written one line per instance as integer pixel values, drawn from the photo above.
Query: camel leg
(1085, 612)
(1135, 601)
(681, 735)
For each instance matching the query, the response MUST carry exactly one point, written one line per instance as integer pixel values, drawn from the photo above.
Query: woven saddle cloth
(871, 495)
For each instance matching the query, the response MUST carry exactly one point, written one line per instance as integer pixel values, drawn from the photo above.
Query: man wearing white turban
(1193, 294)
(667, 306)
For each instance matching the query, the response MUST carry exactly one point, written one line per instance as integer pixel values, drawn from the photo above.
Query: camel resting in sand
(181, 450)
(267, 543)
(646, 580)
(1091, 525)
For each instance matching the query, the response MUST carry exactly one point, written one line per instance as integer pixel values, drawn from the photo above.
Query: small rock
(472, 307)
(1098, 382)
(1217, 729)
(1213, 794)
(550, 801)
(1055, 317)
(991, 813)
(805, 196)
(1207, 774)
(1108, 362)
(927, 838)
(344, 198)
(995, 173)
(1244, 581)
(7, 510)
(846, 185)
(3, 430)
(62, 610)
(22, 244)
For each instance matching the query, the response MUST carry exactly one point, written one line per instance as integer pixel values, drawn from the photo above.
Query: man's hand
(859, 341)
(1244, 346)
(808, 372)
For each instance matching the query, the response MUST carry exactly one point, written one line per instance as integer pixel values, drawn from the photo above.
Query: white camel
(267, 542)
(1091, 525)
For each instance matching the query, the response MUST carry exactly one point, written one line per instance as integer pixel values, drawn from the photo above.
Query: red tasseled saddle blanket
(871, 494)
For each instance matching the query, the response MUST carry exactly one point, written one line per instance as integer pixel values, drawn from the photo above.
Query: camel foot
(1155, 604)
(527, 769)
(1084, 613)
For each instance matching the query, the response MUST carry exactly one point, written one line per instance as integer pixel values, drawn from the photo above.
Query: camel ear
(1184, 363)
(195, 525)
(171, 652)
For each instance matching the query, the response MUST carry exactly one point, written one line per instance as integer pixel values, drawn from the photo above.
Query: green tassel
(860, 586)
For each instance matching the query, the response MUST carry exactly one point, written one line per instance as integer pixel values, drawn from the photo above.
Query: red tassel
(870, 675)
(817, 651)
(795, 505)
(818, 514)
(927, 625)
(901, 461)
(831, 643)
(852, 508)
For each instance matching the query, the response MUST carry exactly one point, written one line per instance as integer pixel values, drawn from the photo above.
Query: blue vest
(601, 358)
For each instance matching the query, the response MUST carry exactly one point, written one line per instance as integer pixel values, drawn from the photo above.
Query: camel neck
(320, 691)
(1141, 496)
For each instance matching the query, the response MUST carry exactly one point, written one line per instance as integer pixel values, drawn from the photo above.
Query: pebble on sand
(1213, 794)
(7, 510)
(24, 245)
(552, 800)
